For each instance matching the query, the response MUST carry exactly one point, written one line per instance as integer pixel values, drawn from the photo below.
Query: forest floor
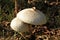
(39, 33)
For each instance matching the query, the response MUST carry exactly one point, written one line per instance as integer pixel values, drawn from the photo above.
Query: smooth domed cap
(32, 16)
(18, 25)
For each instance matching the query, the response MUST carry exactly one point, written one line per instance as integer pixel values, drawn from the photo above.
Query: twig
(22, 35)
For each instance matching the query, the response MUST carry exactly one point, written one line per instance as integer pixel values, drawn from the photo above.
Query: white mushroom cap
(18, 25)
(32, 16)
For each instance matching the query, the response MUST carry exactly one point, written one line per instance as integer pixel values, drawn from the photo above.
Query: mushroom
(27, 16)
(32, 16)
(18, 25)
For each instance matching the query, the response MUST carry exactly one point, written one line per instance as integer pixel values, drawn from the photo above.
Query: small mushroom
(32, 16)
(18, 25)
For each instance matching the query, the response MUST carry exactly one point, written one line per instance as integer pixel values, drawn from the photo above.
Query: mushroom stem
(30, 29)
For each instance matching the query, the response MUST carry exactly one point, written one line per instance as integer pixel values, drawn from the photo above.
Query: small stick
(3, 34)
(22, 35)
